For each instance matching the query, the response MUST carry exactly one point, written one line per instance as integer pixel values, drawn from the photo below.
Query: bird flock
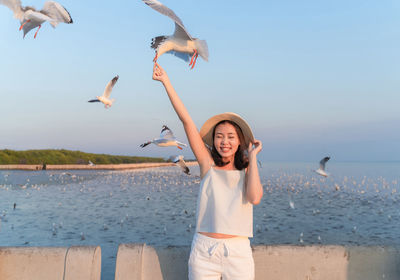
(298, 206)
(180, 43)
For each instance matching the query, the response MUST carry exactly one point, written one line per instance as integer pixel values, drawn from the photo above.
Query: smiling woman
(229, 188)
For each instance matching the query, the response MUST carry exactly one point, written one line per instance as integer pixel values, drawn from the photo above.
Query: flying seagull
(178, 160)
(166, 139)
(106, 94)
(321, 169)
(181, 43)
(30, 18)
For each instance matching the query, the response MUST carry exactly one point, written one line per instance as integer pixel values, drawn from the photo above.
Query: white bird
(181, 43)
(178, 160)
(321, 169)
(91, 163)
(105, 98)
(30, 18)
(291, 203)
(166, 139)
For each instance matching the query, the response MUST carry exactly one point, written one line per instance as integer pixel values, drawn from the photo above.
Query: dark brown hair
(241, 160)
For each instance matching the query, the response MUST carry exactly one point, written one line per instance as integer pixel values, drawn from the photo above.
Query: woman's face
(226, 140)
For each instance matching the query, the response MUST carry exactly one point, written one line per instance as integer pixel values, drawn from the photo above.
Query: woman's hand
(254, 149)
(254, 188)
(159, 74)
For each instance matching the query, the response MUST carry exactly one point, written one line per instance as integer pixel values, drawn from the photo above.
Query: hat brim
(206, 131)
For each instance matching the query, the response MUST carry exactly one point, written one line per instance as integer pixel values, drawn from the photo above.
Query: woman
(229, 187)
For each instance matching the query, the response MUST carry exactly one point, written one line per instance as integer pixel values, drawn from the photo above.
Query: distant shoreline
(32, 159)
(122, 166)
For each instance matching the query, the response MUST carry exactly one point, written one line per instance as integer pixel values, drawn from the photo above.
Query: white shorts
(214, 258)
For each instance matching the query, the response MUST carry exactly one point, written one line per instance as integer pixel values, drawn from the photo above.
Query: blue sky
(313, 78)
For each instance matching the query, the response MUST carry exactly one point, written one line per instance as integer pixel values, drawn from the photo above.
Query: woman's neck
(230, 164)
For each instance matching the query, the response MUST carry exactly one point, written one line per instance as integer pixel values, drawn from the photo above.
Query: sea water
(358, 204)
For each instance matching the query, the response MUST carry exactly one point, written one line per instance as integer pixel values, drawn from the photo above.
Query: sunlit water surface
(358, 204)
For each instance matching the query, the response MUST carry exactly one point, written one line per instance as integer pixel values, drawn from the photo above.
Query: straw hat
(206, 130)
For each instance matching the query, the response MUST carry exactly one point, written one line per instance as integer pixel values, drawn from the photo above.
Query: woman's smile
(225, 149)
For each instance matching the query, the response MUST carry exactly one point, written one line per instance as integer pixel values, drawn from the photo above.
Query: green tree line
(67, 157)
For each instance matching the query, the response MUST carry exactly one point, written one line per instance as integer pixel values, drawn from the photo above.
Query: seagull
(181, 43)
(178, 160)
(321, 169)
(291, 203)
(166, 139)
(91, 163)
(30, 18)
(106, 94)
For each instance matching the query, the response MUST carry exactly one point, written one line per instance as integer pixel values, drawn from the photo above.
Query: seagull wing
(94, 100)
(15, 6)
(178, 160)
(183, 166)
(180, 30)
(56, 12)
(109, 87)
(322, 163)
(166, 133)
(145, 144)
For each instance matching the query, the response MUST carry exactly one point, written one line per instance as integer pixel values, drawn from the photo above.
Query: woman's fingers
(156, 71)
(256, 146)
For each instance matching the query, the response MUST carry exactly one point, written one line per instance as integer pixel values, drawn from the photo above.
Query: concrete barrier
(298, 262)
(372, 263)
(49, 263)
(83, 262)
(141, 262)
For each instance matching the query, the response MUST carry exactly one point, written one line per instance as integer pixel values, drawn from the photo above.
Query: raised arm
(196, 143)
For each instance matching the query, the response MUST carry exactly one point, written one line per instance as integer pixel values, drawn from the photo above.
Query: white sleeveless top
(222, 206)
